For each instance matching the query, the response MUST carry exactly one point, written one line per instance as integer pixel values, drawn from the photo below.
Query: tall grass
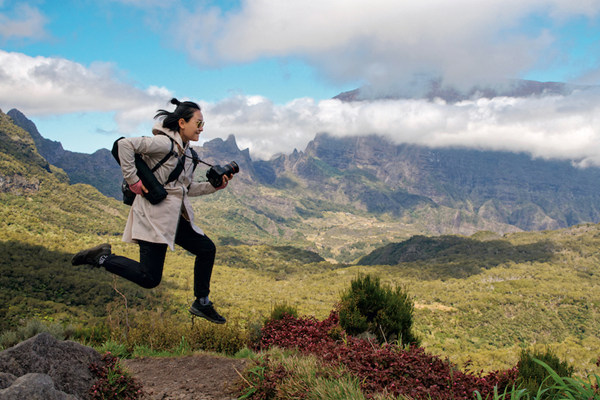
(559, 388)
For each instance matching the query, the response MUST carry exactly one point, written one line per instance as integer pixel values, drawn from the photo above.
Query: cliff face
(511, 188)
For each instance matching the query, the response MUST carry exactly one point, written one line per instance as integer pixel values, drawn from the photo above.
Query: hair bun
(175, 101)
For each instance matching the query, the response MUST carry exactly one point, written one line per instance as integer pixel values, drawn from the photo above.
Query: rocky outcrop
(18, 184)
(45, 368)
(32, 387)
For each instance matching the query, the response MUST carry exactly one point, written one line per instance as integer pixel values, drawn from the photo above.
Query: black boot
(91, 256)
(207, 312)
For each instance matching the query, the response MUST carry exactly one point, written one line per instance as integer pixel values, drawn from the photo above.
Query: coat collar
(159, 129)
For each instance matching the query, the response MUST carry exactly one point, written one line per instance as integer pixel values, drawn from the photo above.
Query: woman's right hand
(138, 188)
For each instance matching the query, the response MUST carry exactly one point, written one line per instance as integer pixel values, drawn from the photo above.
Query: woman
(154, 227)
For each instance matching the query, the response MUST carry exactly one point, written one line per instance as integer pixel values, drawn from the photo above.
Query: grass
(486, 318)
(294, 376)
(483, 318)
(560, 388)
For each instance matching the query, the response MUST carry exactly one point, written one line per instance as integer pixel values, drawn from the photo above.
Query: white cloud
(383, 42)
(559, 127)
(41, 86)
(26, 23)
(563, 127)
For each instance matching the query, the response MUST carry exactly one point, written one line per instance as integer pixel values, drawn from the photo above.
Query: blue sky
(87, 72)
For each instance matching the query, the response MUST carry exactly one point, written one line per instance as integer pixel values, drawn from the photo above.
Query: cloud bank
(550, 127)
(41, 86)
(25, 23)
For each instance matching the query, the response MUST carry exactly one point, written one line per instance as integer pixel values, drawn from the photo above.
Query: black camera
(216, 172)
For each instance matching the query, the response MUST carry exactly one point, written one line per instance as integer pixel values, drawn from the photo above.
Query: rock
(34, 387)
(6, 379)
(65, 362)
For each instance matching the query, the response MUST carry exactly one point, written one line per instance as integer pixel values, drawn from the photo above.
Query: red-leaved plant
(113, 382)
(381, 368)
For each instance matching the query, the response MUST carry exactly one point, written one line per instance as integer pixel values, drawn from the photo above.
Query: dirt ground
(197, 377)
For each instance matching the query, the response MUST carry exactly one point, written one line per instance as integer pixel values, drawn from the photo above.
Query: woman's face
(190, 130)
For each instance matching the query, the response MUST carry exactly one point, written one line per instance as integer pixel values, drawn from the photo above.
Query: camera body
(216, 172)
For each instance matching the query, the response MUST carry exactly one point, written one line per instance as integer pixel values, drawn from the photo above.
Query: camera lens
(232, 168)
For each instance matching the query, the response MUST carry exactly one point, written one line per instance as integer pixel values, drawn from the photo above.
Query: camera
(216, 172)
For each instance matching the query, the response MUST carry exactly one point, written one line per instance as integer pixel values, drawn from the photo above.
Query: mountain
(343, 197)
(98, 169)
(373, 174)
(435, 89)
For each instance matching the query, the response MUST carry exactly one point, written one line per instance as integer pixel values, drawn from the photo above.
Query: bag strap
(165, 158)
(176, 172)
(180, 165)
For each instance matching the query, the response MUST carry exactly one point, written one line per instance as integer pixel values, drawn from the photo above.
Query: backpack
(156, 190)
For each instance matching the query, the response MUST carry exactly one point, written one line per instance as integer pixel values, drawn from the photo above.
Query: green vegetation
(535, 377)
(479, 301)
(558, 387)
(386, 313)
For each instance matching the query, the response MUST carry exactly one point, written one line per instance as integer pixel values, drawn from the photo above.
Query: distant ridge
(432, 191)
(98, 169)
(436, 90)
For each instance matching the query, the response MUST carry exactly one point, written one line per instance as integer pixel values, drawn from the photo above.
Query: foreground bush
(369, 306)
(534, 376)
(387, 368)
(555, 388)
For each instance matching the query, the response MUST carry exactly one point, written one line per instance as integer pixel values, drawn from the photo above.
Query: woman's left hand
(225, 181)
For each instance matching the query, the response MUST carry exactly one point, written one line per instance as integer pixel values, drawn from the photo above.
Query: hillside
(481, 297)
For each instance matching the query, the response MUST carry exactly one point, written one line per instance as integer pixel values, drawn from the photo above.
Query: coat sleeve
(201, 188)
(150, 146)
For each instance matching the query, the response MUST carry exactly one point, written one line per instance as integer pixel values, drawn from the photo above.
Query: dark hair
(183, 110)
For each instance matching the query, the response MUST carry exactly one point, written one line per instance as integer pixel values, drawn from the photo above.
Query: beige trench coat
(158, 223)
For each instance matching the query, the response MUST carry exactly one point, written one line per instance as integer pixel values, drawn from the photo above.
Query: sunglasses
(200, 124)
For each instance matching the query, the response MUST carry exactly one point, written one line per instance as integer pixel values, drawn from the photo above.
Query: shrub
(94, 334)
(227, 339)
(155, 331)
(534, 377)
(279, 310)
(369, 306)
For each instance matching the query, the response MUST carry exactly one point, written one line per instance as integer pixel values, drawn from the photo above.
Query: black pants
(148, 272)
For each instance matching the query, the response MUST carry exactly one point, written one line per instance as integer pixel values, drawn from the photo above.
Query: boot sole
(79, 258)
(200, 314)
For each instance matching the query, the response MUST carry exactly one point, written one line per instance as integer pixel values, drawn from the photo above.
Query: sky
(267, 71)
